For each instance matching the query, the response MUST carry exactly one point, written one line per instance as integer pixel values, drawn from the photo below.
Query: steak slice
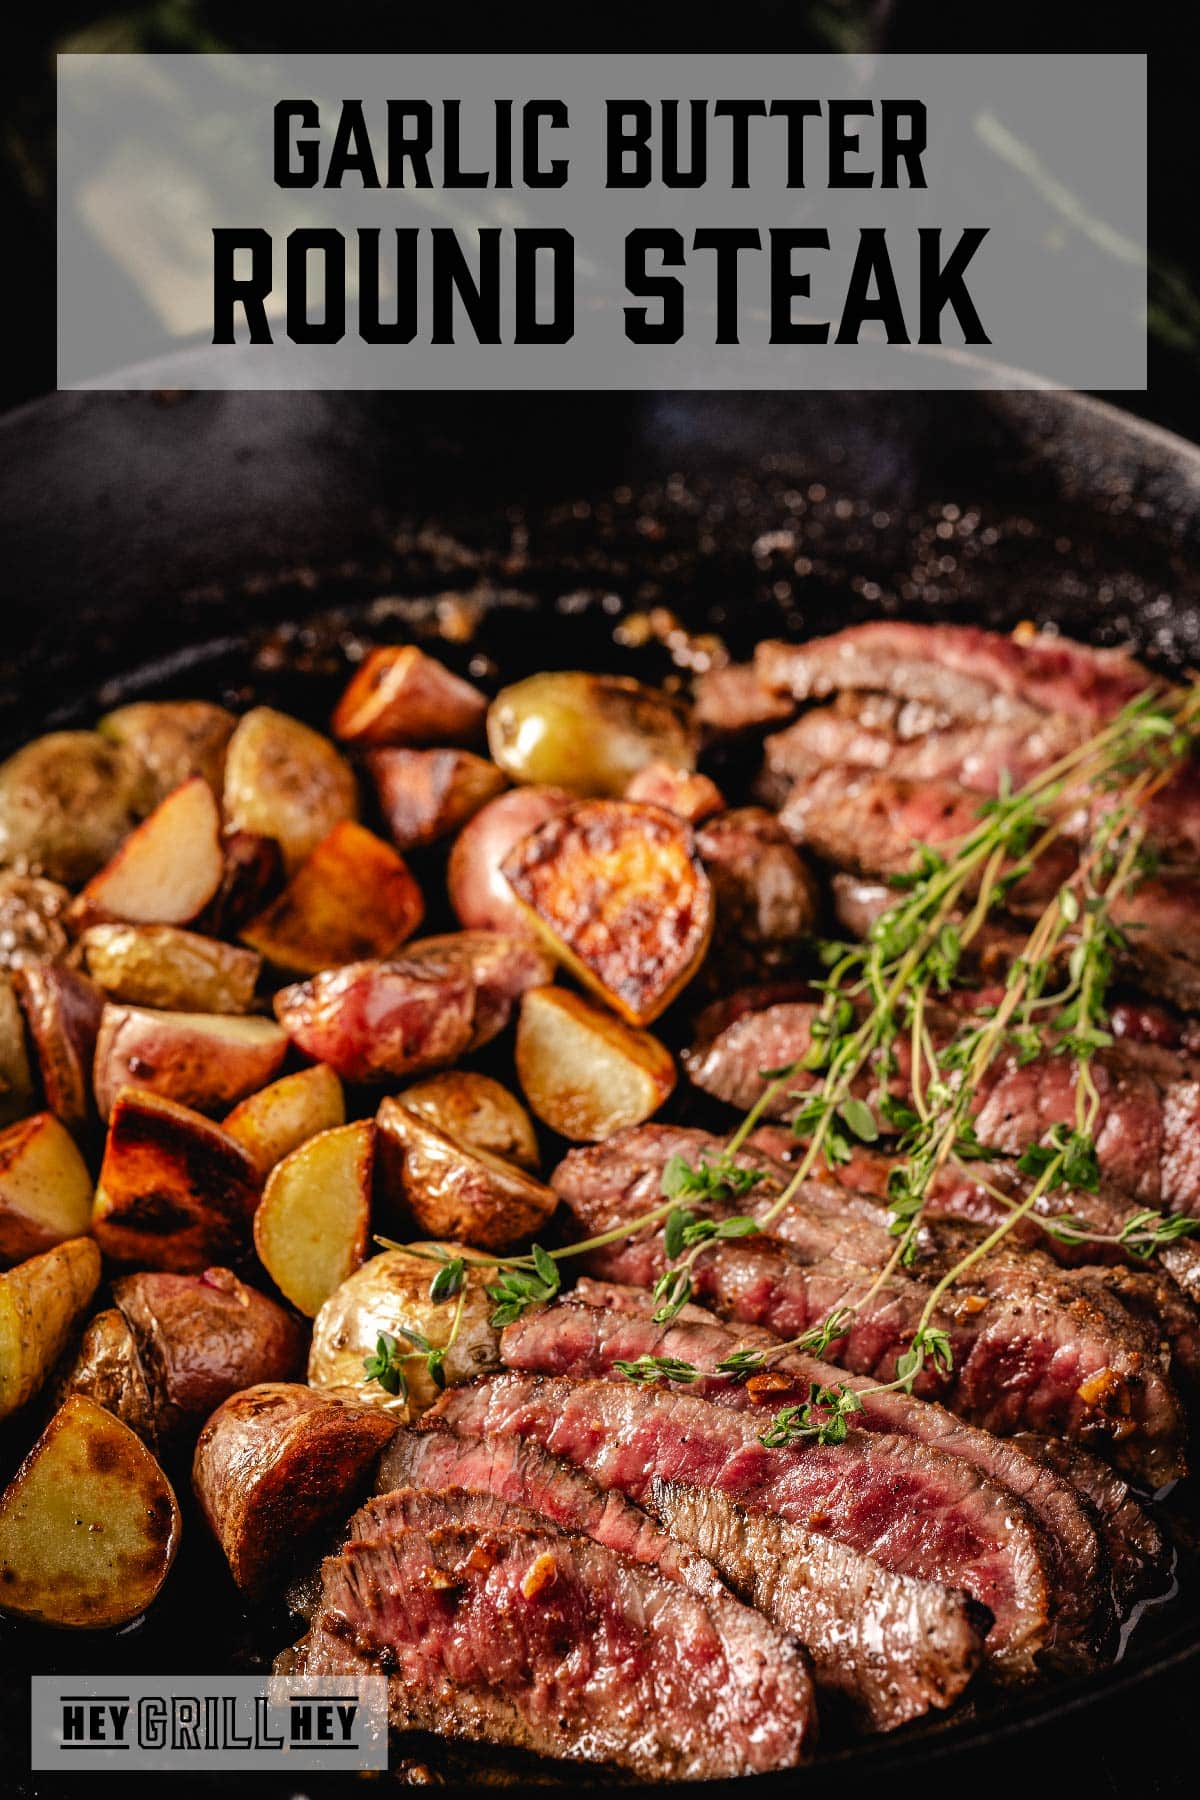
(1031, 1350)
(555, 1644)
(892, 1647)
(915, 1511)
(1138, 1552)
(524, 1474)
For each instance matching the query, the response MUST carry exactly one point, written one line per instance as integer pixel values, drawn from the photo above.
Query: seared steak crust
(917, 1512)
(551, 1643)
(1138, 1552)
(892, 1647)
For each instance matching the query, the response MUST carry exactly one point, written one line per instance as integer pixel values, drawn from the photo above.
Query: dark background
(1148, 1746)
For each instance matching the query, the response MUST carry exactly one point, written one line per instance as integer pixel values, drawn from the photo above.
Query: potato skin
(107, 1369)
(478, 891)
(589, 733)
(162, 966)
(66, 802)
(173, 739)
(389, 1292)
(41, 1302)
(402, 696)
(501, 964)
(374, 1020)
(478, 1112)
(274, 1465)
(207, 1061)
(16, 1076)
(454, 1191)
(63, 1010)
(32, 915)
(285, 781)
(424, 794)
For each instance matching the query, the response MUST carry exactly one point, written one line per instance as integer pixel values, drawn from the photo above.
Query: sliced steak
(524, 1474)
(729, 701)
(892, 1647)
(917, 1512)
(764, 892)
(555, 1644)
(1139, 1554)
(583, 1340)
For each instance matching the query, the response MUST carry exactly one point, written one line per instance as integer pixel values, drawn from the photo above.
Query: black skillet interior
(242, 546)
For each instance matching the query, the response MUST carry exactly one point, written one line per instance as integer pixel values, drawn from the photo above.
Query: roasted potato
(765, 895)
(62, 1011)
(45, 1188)
(374, 1020)
(426, 794)
(32, 919)
(161, 966)
(108, 1370)
(454, 1190)
(618, 894)
(41, 1303)
(587, 733)
(89, 1524)
(350, 899)
(390, 1294)
(402, 696)
(586, 1074)
(204, 1060)
(502, 965)
(174, 1192)
(278, 1119)
(310, 1229)
(478, 891)
(67, 801)
(690, 796)
(275, 1466)
(16, 1076)
(251, 877)
(173, 739)
(167, 871)
(477, 1112)
(285, 781)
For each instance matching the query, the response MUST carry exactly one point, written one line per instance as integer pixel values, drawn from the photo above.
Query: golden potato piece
(584, 1073)
(402, 696)
(424, 794)
(285, 781)
(41, 1303)
(62, 1011)
(390, 1294)
(479, 894)
(174, 1191)
(454, 1190)
(588, 733)
(168, 870)
(16, 1076)
(67, 801)
(204, 1060)
(33, 915)
(352, 898)
(45, 1188)
(108, 1370)
(276, 1465)
(161, 966)
(618, 894)
(279, 1118)
(89, 1524)
(174, 739)
(310, 1229)
(477, 1112)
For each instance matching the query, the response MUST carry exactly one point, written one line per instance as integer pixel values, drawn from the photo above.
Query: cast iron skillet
(233, 545)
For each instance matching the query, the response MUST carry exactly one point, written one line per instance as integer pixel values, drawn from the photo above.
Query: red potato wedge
(173, 739)
(45, 1188)
(457, 1191)
(352, 898)
(619, 896)
(285, 781)
(204, 1060)
(688, 795)
(62, 1011)
(426, 794)
(251, 877)
(89, 1524)
(168, 870)
(478, 891)
(175, 1192)
(402, 696)
(310, 1229)
(159, 965)
(278, 1119)
(41, 1303)
(477, 1112)
(16, 1076)
(278, 1465)
(372, 1021)
(502, 965)
(584, 1073)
